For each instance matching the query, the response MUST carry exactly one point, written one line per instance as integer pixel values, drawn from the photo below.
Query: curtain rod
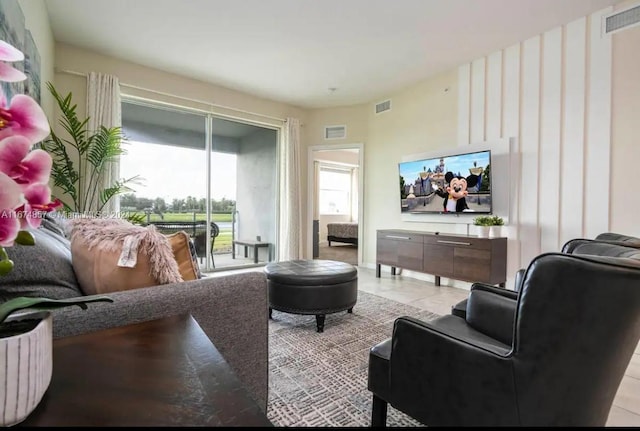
(135, 87)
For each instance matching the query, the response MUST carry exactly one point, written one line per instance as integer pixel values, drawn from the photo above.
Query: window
(335, 190)
(172, 149)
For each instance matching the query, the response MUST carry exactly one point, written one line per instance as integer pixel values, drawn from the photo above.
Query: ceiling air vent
(383, 106)
(335, 132)
(622, 20)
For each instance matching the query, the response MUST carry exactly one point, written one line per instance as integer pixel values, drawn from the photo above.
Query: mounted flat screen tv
(451, 184)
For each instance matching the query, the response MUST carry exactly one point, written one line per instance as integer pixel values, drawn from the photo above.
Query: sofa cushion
(110, 255)
(43, 269)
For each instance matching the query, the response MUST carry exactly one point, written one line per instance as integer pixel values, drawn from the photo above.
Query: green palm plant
(81, 160)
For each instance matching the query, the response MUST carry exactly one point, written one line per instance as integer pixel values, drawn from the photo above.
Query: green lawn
(222, 242)
(189, 217)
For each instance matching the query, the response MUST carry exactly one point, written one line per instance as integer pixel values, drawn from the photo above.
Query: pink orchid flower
(10, 198)
(22, 117)
(24, 174)
(9, 52)
(9, 73)
(25, 167)
(38, 198)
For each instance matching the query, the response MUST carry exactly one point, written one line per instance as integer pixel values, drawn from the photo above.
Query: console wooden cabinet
(461, 257)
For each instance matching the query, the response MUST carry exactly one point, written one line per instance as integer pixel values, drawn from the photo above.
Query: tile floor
(625, 411)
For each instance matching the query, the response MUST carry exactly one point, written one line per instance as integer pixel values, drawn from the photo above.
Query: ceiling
(294, 51)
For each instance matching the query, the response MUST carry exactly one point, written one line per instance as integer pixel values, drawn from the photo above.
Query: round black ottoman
(317, 287)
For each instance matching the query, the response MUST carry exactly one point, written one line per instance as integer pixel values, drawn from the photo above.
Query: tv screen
(449, 184)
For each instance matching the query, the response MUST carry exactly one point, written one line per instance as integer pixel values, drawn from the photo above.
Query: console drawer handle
(398, 237)
(453, 242)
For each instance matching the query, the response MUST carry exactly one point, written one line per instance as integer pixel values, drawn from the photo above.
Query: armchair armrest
(445, 372)
(511, 294)
(519, 277)
(492, 311)
(460, 309)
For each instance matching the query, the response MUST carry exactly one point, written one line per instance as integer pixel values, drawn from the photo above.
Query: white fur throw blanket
(109, 234)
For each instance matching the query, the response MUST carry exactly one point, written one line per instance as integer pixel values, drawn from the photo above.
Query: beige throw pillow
(110, 255)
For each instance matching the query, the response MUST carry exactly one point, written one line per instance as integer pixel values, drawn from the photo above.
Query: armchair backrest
(622, 239)
(601, 248)
(577, 325)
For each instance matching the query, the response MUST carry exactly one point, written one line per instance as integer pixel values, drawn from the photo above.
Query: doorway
(335, 208)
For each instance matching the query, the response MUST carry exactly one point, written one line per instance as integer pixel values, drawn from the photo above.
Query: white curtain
(290, 220)
(316, 190)
(316, 210)
(104, 109)
(354, 194)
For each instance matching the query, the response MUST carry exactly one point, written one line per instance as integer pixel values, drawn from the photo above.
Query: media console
(461, 257)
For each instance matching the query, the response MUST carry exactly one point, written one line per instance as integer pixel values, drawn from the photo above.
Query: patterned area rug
(320, 379)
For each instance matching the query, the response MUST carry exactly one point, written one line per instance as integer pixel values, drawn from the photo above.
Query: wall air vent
(621, 20)
(335, 132)
(383, 106)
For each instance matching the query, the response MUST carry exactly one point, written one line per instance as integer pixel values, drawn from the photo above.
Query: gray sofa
(231, 309)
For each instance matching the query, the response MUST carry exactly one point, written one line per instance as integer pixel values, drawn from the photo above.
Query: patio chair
(200, 242)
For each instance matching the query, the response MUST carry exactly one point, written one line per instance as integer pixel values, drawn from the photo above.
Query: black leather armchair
(558, 363)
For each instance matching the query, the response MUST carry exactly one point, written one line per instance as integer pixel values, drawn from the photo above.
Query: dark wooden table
(160, 373)
(250, 243)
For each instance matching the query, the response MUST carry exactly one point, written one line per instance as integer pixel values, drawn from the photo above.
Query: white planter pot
(483, 231)
(25, 368)
(495, 231)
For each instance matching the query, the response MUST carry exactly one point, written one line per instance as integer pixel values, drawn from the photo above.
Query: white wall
(349, 157)
(625, 151)
(423, 118)
(149, 83)
(553, 93)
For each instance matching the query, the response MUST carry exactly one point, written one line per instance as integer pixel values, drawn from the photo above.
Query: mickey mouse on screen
(456, 191)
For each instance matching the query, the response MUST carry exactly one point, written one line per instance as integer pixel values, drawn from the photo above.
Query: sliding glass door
(213, 178)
